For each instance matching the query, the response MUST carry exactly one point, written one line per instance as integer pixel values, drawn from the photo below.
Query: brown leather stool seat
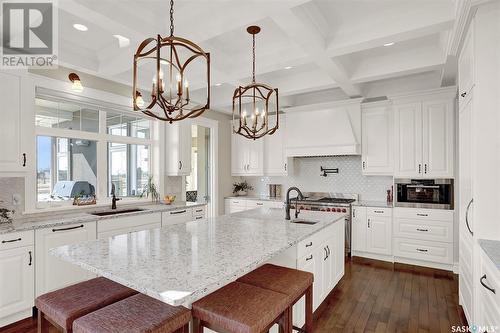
(136, 314)
(241, 308)
(63, 306)
(292, 282)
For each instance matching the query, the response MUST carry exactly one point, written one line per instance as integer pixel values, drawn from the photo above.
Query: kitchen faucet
(114, 199)
(287, 203)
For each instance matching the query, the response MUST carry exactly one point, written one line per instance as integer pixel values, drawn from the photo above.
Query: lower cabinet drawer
(176, 216)
(13, 240)
(423, 250)
(441, 231)
(199, 211)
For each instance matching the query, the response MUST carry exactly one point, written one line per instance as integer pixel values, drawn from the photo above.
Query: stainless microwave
(424, 193)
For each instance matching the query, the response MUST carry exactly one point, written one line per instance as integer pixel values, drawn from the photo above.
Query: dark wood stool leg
(309, 310)
(285, 322)
(43, 323)
(197, 326)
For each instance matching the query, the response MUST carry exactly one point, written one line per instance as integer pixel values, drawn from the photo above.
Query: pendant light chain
(253, 57)
(171, 18)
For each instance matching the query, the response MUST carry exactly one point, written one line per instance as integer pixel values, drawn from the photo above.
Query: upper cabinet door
(275, 162)
(238, 155)
(17, 121)
(178, 137)
(255, 157)
(438, 136)
(377, 140)
(408, 141)
(466, 67)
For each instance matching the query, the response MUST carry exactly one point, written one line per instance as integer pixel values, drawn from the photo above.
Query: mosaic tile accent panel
(306, 176)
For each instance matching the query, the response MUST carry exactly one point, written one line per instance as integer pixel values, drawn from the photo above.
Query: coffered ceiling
(310, 49)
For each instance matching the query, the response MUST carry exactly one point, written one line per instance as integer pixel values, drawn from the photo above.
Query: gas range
(333, 203)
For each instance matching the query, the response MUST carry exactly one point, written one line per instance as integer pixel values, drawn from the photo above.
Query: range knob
(344, 210)
(301, 207)
(338, 210)
(328, 209)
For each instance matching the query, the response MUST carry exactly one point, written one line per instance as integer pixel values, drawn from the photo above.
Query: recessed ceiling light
(80, 27)
(218, 84)
(288, 67)
(389, 44)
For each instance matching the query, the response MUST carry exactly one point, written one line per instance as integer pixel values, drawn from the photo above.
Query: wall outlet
(16, 199)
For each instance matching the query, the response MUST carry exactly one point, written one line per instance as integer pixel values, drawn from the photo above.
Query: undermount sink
(117, 212)
(302, 221)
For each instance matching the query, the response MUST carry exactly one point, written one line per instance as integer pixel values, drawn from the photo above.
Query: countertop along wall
(306, 176)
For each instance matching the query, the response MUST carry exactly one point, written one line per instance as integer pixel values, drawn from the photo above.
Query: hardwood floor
(374, 296)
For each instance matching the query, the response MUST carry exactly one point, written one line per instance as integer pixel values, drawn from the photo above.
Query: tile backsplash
(8, 187)
(306, 176)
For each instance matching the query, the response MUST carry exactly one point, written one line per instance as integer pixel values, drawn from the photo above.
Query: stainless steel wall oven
(424, 193)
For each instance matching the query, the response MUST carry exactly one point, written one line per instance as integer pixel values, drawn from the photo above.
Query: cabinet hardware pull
(485, 285)
(24, 159)
(285, 166)
(31, 258)
(309, 258)
(369, 223)
(328, 253)
(11, 241)
(199, 217)
(420, 168)
(378, 211)
(364, 164)
(180, 165)
(178, 212)
(309, 244)
(422, 250)
(199, 210)
(425, 168)
(463, 94)
(418, 229)
(420, 214)
(69, 228)
(260, 204)
(467, 216)
(354, 213)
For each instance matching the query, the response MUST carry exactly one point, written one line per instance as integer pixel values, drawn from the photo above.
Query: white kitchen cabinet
(424, 135)
(17, 276)
(377, 139)
(247, 156)
(199, 212)
(17, 94)
(275, 161)
(177, 216)
(488, 290)
(125, 224)
(234, 205)
(359, 226)
(53, 273)
(178, 142)
(379, 231)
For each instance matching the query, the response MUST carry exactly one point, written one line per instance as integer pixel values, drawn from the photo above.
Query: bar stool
(291, 282)
(136, 314)
(241, 308)
(61, 307)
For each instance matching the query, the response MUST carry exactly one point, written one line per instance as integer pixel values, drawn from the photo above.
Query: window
(71, 145)
(198, 182)
(65, 168)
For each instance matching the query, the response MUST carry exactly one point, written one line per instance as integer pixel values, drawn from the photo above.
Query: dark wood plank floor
(375, 297)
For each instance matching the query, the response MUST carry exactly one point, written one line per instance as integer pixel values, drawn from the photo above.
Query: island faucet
(287, 203)
(114, 199)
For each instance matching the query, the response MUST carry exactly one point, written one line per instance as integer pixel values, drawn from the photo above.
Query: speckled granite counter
(492, 250)
(256, 197)
(367, 203)
(46, 220)
(179, 264)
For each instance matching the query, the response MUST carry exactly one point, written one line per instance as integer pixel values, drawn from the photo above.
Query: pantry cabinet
(424, 135)
(377, 139)
(17, 94)
(53, 273)
(16, 276)
(178, 142)
(247, 156)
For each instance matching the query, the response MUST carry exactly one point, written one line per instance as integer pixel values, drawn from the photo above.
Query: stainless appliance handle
(423, 186)
(467, 216)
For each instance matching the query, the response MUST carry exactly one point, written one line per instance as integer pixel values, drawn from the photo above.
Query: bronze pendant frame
(255, 93)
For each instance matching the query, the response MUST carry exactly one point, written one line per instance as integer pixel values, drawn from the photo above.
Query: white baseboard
(375, 256)
(456, 268)
(393, 259)
(4, 321)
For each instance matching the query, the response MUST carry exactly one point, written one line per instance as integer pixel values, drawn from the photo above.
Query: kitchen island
(180, 264)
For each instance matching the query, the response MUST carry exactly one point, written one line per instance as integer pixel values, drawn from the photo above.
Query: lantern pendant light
(253, 103)
(170, 95)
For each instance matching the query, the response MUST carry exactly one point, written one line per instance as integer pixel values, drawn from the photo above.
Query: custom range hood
(325, 129)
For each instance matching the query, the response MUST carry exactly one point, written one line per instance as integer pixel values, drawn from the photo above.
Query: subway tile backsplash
(306, 176)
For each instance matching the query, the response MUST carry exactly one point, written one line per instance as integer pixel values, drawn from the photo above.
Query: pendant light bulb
(77, 84)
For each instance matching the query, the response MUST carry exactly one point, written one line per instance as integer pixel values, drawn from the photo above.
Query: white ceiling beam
(309, 39)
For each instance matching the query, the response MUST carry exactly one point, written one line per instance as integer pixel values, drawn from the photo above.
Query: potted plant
(150, 189)
(241, 188)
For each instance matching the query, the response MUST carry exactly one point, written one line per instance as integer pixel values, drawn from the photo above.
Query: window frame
(102, 138)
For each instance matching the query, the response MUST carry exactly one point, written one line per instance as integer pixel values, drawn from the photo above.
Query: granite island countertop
(180, 264)
(256, 197)
(492, 250)
(55, 219)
